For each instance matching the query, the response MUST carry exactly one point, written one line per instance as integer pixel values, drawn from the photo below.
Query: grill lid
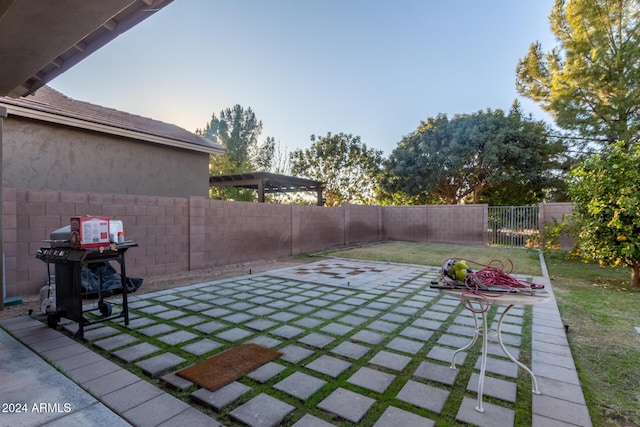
(60, 237)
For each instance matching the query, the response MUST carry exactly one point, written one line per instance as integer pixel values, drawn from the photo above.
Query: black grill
(69, 264)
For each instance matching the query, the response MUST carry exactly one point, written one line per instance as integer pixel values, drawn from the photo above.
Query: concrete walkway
(363, 343)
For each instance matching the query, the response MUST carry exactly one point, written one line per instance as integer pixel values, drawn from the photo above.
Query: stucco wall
(42, 156)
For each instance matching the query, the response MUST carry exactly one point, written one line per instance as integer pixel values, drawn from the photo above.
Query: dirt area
(168, 281)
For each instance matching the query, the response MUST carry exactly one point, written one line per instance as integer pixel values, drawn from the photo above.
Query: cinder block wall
(236, 232)
(315, 228)
(465, 224)
(363, 224)
(548, 211)
(180, 234)
(160, 225)
(408, 223)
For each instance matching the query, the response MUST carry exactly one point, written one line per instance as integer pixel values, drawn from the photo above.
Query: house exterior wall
(3, 115)
(176, 234)
(45, 156)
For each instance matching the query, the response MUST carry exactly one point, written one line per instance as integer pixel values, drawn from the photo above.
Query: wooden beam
(261, 191)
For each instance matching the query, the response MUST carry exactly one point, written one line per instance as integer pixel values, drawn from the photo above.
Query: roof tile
(53, 102)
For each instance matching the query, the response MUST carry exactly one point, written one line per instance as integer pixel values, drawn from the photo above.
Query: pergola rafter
(266, 182)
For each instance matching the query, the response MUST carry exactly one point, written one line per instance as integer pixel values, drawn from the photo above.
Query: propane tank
(48, 297)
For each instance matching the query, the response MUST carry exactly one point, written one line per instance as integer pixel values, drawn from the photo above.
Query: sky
(370, 68)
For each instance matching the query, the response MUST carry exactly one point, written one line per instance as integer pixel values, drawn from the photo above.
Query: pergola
(265, 182)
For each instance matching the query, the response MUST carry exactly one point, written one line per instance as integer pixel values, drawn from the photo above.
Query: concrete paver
(316, 340)
(265, 372)
(423, 396)
(350, 350)
(294, 353)
(394, 417)
(136, 352)
(347, 404)
(329, 365)
(262, 411)
(311, 421)
(404, 345)
(300, 385)
(202, 346)
(114, 342)
(495, 387)
(436, 372)
(493, 415)
(178, 337)
(389, 360)
(155, 411)
(222, 397)
(372, 379)
(158, 365)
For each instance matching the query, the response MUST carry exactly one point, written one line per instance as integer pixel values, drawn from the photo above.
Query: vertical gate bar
(512, 225)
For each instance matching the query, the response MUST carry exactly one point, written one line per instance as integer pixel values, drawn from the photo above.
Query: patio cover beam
(265, 182)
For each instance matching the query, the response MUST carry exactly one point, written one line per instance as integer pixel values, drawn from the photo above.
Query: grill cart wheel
(105, 309)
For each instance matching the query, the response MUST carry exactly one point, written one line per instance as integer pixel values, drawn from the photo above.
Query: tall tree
(238, 131)
(451, 161)
(590, 82)
(349, 168)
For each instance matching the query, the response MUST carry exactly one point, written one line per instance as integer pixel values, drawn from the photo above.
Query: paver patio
(363, 343)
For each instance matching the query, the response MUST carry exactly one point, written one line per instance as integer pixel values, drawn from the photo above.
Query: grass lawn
(597, 304)
(601, 311)
(525, 262)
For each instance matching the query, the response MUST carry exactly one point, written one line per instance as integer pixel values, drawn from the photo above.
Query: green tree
(590, 82)
(238, 131)
(451, 161)
(349, 168)
(605, 189)
(264, 155)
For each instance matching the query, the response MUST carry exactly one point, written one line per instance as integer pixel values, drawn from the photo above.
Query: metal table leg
(534, 382)
(471, 343)
(483, 363)
(485, 301)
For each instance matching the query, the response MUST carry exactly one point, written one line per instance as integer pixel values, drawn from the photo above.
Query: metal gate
(512, 225)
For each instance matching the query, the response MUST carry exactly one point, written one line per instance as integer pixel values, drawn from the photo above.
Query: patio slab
(377, 338)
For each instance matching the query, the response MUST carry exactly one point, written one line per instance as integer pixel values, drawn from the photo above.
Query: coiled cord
(493, 278)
